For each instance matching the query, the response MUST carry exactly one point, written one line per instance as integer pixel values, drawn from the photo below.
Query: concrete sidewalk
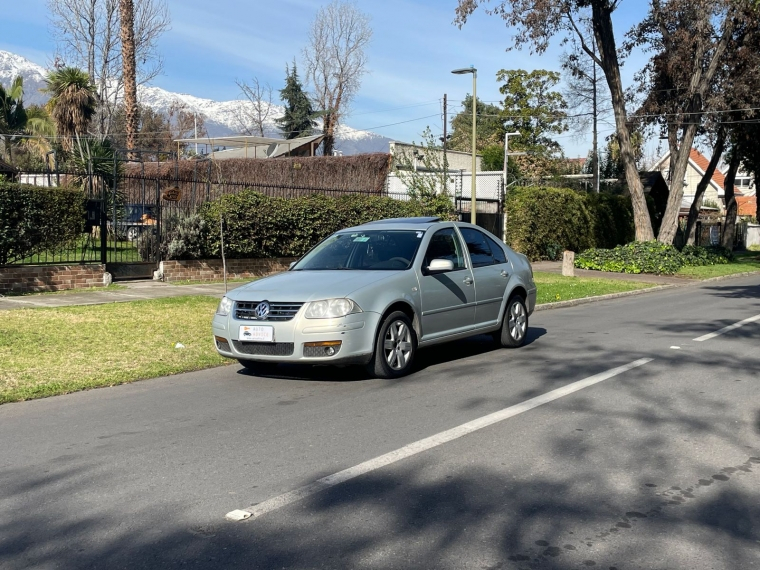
(135, 291)
(148, 289)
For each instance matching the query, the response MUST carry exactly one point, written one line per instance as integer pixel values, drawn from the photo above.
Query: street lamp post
(474, 72)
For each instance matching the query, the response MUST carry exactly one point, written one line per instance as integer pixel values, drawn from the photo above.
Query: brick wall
(31, 278)
(211, 269)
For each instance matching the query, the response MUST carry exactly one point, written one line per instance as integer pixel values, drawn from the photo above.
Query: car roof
(419, 223)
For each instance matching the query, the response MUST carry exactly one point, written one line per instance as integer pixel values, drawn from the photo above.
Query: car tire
(395, 347)
(258, 367)
(133, 233)
(514, 325)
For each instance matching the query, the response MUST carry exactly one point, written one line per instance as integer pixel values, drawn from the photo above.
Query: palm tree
(40, 126)
(72, 103)
(129, 70)
(12, 114)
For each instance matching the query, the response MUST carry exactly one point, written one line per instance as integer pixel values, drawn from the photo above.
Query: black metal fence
(126, 216)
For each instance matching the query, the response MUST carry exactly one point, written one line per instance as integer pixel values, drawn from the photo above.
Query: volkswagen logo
(262, 311)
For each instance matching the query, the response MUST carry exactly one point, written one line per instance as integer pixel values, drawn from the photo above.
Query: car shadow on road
(425, 358)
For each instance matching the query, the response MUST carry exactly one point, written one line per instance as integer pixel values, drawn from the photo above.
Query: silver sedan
(376, 293)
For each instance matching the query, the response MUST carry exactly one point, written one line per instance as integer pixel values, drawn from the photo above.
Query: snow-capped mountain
(12, 65)
(220, 117)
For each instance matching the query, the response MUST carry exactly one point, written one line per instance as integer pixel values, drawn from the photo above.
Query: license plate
(256, 334)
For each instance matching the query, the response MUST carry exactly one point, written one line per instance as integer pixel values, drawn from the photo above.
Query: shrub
(34, 219)
(542, 222)
(183, 237)
(260, 226)
(650, 257)
(636, 257)
(710, 255)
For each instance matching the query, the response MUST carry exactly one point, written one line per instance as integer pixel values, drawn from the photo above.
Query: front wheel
(514, 326)
(395, 347)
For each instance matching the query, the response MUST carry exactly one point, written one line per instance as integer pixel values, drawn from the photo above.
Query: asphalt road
(656, 467)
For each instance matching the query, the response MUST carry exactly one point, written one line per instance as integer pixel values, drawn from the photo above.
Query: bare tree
(586, 98)
(88, 36)
(252, 118)
(336, 62)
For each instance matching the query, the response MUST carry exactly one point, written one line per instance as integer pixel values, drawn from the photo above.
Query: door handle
(468, 280)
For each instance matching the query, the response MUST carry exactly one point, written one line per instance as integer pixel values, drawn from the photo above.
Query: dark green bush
(260, 226)
(696, 256)
(636, 257)
(34, 219)
(650, 257)
(542, 222)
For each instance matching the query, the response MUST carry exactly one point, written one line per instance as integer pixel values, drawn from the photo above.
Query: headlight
(224, 308)
(331, 309)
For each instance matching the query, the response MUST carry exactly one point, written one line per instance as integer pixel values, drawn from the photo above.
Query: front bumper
(356, 333)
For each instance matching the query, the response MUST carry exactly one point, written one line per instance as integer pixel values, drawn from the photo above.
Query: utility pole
(445, 161)
(596, 112)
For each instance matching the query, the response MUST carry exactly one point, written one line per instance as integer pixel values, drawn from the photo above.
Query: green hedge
(259, 226)
(34, 219)
(650, 257)
(542, 222)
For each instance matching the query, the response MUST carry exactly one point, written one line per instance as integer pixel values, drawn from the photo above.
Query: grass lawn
(743, 262)
(44, 352)
(553, 287)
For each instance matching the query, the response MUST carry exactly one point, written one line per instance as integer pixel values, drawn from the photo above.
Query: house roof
(747, 205)
(700, 163)
(254, 147)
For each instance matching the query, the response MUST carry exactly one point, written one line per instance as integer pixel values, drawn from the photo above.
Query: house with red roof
(714, 198)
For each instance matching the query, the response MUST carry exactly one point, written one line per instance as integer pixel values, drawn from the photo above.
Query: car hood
(303, 286)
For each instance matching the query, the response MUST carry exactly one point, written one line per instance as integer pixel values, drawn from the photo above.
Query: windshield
(372, 250)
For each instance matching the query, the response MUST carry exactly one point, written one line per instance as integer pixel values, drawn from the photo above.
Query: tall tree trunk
(682, 153)
(605, 40)
(696, 205)
(729, 228)
(127, 28)
(329, 129)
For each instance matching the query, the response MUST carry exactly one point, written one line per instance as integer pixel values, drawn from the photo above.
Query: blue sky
(414, 48)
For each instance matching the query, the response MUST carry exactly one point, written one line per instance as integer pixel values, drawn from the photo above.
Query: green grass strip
(553, 288)
(45, 352)
(742, 263)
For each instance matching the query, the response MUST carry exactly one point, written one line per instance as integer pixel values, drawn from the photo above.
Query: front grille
(278, 312)
(264, 348)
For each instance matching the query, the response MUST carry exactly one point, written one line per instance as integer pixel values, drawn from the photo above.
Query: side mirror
(440, 266)
(292, 263)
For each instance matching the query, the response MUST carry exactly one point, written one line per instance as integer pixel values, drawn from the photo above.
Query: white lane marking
(728, 328)
(675, 347)
(428, 443)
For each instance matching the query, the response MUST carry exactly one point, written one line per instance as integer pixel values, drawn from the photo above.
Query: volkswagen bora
(376, 293)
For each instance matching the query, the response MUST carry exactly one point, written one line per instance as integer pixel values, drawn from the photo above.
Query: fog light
(220, 339)
(330, 351)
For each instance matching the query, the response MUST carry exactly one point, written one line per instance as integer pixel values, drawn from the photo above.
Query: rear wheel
(133, 233)
(258, 367)
(395, 347)
(514, 326)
